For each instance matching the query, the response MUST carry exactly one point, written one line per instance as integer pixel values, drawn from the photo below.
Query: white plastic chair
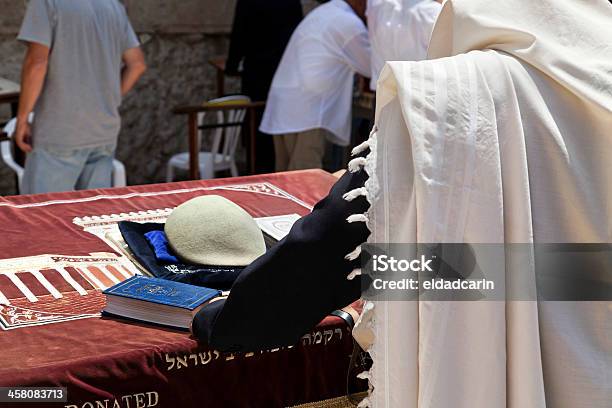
(222, 155)
(119, 179)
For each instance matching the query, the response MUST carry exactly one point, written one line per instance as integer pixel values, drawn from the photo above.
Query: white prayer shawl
(505, 138)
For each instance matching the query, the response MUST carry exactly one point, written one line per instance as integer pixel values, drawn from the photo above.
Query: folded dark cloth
(214, 277)
(161, 246)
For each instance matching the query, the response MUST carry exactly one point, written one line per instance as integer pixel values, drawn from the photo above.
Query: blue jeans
(53, 169)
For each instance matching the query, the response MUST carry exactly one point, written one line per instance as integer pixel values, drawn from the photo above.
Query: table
(192, 117)
(56, 260)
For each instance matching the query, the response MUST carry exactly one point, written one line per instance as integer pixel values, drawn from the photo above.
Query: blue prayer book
(157, 301)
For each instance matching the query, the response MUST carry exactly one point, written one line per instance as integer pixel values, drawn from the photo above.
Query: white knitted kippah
(212, 230)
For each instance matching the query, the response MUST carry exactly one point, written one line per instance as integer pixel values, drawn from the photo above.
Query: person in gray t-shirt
(83, 56)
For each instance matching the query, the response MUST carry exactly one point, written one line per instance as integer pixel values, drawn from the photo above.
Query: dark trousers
(256, 86)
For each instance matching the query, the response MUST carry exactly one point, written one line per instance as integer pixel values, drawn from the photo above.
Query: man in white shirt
(310, 97)
(399, 30)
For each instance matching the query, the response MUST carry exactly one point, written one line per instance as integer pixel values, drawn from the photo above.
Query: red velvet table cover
(52, 270)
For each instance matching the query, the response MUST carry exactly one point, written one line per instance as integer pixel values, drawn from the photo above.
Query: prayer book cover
(157, 301)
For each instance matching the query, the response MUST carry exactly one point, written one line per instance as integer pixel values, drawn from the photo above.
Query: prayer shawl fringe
(505, 138)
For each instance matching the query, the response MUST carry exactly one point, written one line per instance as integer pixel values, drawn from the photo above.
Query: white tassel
(357, 218)
(356, 164)
(360, 148)
(353, 194)
(355, 272)
(354, 254)
(365, 403)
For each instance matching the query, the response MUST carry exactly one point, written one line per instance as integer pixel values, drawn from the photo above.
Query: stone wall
(179, 36)
(178, 74)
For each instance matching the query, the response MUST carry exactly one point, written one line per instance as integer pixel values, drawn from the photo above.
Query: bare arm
(33, 76)
(134, 67)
